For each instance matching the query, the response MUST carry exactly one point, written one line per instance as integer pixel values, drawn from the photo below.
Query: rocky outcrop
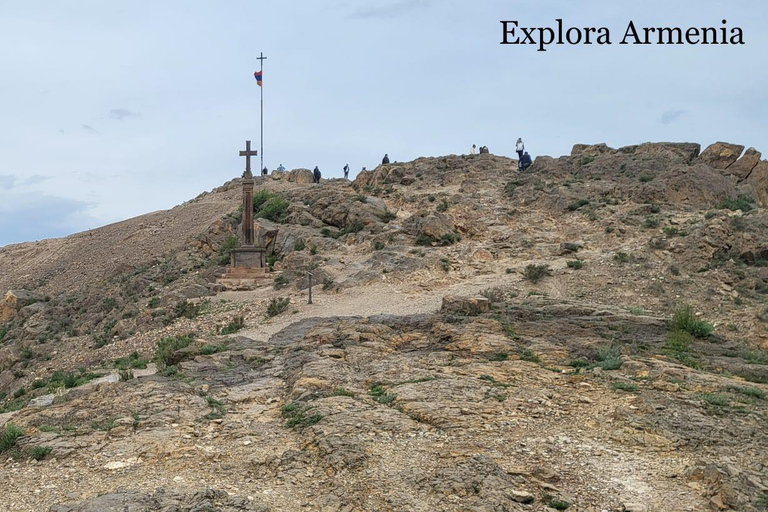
(721, 155)
(301, 176)
(135, 501)
(744, 165)
(14, 301)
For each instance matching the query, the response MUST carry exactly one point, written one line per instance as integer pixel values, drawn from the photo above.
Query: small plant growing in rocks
(684, 319)
(535, 273)
(277, 306)
(575, 264)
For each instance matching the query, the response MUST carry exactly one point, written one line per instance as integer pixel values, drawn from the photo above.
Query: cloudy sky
(113, 109)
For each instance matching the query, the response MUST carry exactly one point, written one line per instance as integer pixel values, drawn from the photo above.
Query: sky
(109, 110)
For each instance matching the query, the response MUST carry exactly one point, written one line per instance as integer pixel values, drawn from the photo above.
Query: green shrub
(377, 392)
(443, 206)
(609, 357)
(534, 273)
(578, 204)
(210, 349)
(742, 202)
(70, 380)
(684, 319)
(168, 346)
(715, 399)
(296, 416)
(651, 222)
(277, 306)
(377, 245)
(299, 245)
(621, 258)
(260, 197)
(673, 232)
(342, 392)
(271, 260)
(586, 160)
(8, 436)
(575, 264)
(232, 327)
(281, 282)
(133, 360)
(750, 392)
(225, 250)
(386, 216)
(274, 209)
(155, 301)
(186, 309)
(327, 283)
(624, 386)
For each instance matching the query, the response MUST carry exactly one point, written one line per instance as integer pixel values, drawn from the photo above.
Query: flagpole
(261, 169)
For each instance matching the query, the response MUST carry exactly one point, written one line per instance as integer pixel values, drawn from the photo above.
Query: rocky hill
(589, 335)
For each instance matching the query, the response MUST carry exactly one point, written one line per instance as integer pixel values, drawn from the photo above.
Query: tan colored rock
(744, 165)
(301, 176)
(721, 155)
(470, 306)
(758, 182)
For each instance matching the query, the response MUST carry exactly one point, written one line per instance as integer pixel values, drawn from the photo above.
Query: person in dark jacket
(385, 160)
(525, 161)
(346, 171)
(264, 171)
(316, 173)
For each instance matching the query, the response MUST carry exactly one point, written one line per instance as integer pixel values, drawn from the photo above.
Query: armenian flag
(258, 76)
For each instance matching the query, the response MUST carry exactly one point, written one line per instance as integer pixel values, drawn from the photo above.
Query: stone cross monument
(247, 261)
(247, 240)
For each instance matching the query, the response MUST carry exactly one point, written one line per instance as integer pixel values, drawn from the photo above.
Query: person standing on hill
(520, 148)
(316, 174)
(385, 160)
(281, 168)
(473, 150)
(346, 172)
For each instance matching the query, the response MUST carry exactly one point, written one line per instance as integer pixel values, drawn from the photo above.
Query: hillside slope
(589, 335)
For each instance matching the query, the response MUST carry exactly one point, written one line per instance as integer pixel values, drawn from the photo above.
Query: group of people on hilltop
(523, 158)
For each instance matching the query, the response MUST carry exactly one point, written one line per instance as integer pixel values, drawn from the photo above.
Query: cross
(262, 58)
(248, 154)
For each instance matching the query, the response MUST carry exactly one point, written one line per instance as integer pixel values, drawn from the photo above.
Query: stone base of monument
(246, 270)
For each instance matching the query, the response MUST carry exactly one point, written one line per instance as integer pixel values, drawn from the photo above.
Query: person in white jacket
(473, 149)
(519, 148)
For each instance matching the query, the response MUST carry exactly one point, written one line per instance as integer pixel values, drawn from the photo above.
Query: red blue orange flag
(258, 77)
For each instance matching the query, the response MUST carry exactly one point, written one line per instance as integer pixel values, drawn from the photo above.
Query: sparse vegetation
(296, 415)
(232, 327)
(741, 202)
(684, 319)
(378, 393)
(575, 264)
(328, 283)
(225, 250)
(535, 273)
(8, 436)
(277, 306)
(281, 282)
(131, 361)
(624, 386)
(578, 204)
(299, 245)
(168, 346)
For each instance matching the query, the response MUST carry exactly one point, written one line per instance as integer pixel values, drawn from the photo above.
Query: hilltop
(588, 335)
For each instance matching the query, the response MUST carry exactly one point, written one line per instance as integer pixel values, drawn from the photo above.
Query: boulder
(758, 183)
(434, 225)
(744, 165)
(721, 155)
(14, 300)
(590, 149)
(301, 176)
(468, 306)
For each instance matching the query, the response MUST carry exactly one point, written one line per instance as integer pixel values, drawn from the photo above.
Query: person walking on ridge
(520, 148)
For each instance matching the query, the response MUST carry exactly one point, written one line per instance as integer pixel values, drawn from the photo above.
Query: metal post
(261, 59)
(309, 274)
